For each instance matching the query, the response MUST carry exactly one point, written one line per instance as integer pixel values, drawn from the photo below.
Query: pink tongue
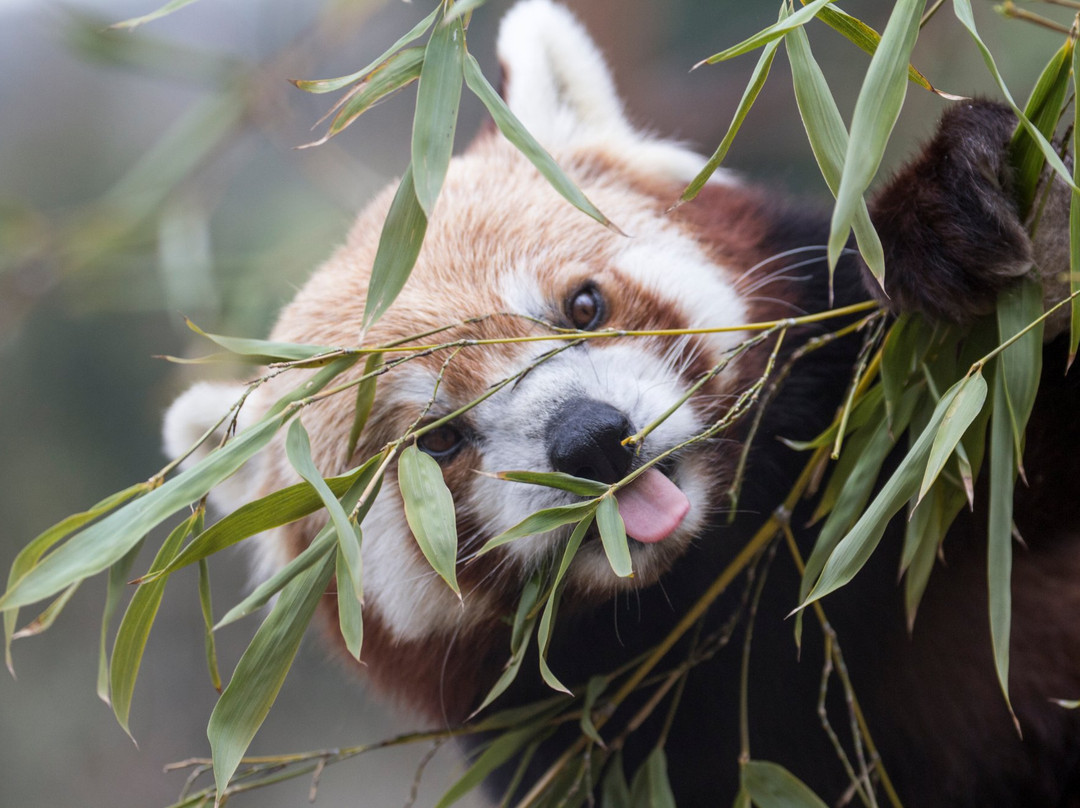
(652, 507)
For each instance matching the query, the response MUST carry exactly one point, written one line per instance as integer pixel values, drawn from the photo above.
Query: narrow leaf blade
(429, 510)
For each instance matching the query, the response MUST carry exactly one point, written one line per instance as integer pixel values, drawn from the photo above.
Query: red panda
(501, 241)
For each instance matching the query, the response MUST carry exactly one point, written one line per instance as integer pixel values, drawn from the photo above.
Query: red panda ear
(554, 77)
(556, 81)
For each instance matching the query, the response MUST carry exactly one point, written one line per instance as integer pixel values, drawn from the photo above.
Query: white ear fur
(558, 85)
(188, 419)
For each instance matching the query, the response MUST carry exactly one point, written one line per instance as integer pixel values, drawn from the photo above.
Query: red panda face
(506, 252)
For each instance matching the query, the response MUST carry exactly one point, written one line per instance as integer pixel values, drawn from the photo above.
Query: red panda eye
(440, 442)
(585, 308)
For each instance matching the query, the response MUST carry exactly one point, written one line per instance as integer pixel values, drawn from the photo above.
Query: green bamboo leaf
(773, 786)
(102, 544)
(829, 139)
(298, 450)
(365, 399)
(1043, 109)
(856, 547)
(400, 70)
(750, 94)
(273, 510)
(876, 110)
(29, 556)
(547, 619)
(460, 8)
(207, 607)
(774, 31)
(350, 618)
(43, 622)
(261, 671)
(651, 788)
(437, 99)
(968, 397)
(742, 799)
(923, 535)
(999, 529)
(1074, 221)
(330, 85)
(168, 8)
(501, 749)
(595, 687)
(556, 479)
(429, 510)
(399, 245)
(542, 522)
(321, 546)
(136, 624)
(117, 584)
(261, 351)
(514, 131)
(315, 382)
(1020, 363)
(866, 38)
(613, 536)
(524, 621)
(852, 483)
(962, 10)
(900, 355)
(615, 791)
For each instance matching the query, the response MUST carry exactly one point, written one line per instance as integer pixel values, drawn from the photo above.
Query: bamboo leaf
(429, 510)
(437, 101)
(829, 139)
(261, 671)
(923, 536)
(119, 575)
(1020, 363)
(876, 110)
(773, 786)
(1043, 109)
(135, 626)
(350, 618)
(502, 748)
(774, 31)
(298, 450)
(107, 541)
(29, 556)
(165, 10)
(999, 538)
(596, 686)
(856, 547)
(962, 9)
(399, 246)
(542, 522)
(547, 619)
(651, 788)
(207, 607)
(613, 536)
(320, 546)
(400, 70)
(43, 622)
(365, 399)
(514, 131)
(273, 510)
(330, 85)
(967, 403)
(556, 479)
(750, 94)
(524, 621)
(261, 351)
(615, 791)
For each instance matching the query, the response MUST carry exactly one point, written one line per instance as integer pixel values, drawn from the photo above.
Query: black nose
(585, 439)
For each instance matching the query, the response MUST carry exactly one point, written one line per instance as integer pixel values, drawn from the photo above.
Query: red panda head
(503, 247)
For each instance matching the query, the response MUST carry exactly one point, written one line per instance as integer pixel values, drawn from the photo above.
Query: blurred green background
(153, 174)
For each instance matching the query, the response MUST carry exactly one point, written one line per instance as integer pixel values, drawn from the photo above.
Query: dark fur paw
(948, 222)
